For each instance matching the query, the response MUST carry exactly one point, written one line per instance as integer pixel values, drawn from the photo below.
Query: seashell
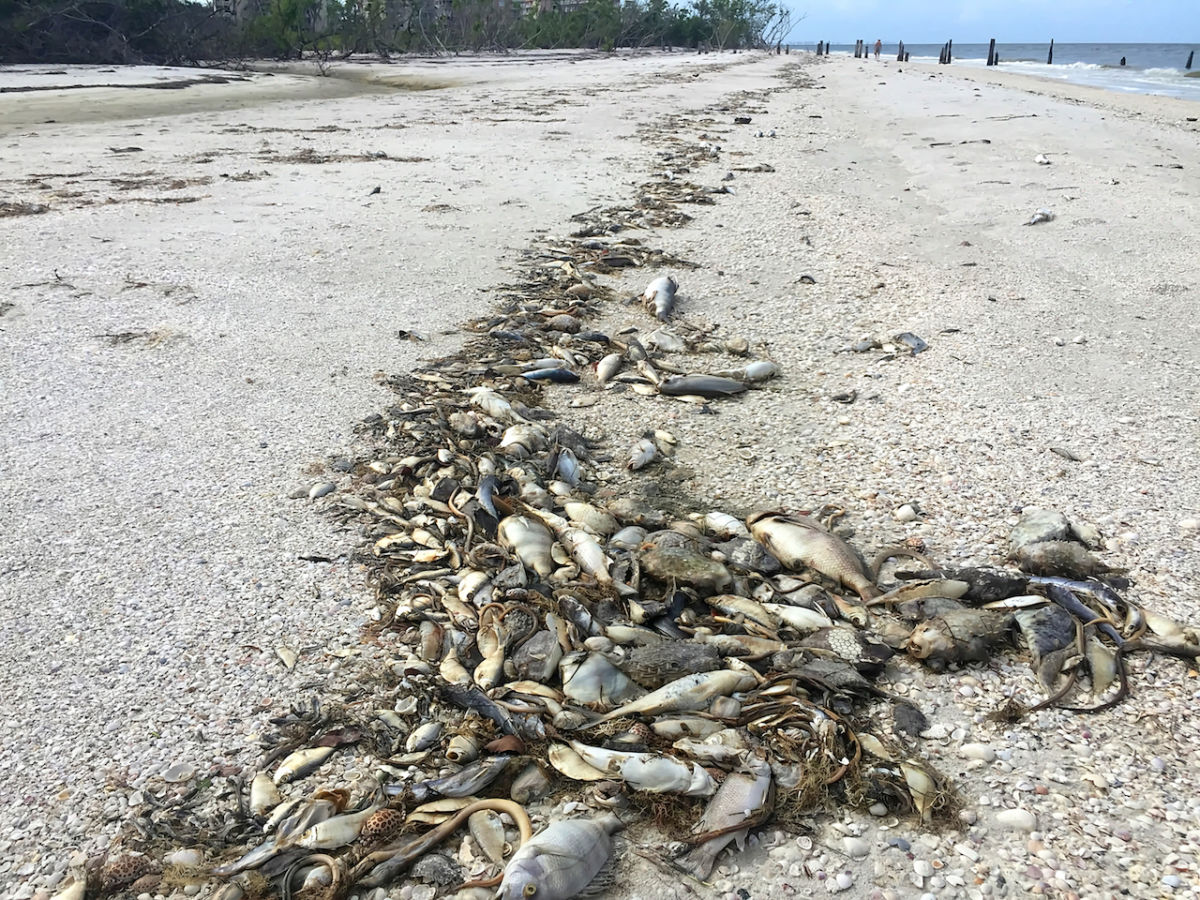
(1017, 819)
(921, 786)
(188, 858)
(74, 889)
(461, 749)
(287, 656)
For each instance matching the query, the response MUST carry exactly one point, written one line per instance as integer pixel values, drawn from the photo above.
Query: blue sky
(1009, 21)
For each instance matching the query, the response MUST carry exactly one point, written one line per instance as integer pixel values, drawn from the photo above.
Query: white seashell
(1017, 819)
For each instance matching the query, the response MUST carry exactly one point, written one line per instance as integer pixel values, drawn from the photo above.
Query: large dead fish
(562, 861)
(799, 542)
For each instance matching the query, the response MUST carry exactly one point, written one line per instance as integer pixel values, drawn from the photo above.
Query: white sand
(151, 566)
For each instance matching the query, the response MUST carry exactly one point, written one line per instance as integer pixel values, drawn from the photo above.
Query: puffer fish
(560, 862)
(798, 541)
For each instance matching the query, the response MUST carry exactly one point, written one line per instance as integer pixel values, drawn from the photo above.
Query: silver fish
(660, 296)
(560, 862)
(642, 454)
(742, 802)
(608, 367)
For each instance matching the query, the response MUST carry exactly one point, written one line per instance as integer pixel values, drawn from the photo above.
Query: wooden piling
(1189, 62)
(1050, 55)
(906, 56)
(949, 51)
(820, 48)
(900, 53)
(991, 52)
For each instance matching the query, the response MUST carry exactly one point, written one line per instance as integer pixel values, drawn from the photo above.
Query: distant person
(878, 47)
(1122, 60)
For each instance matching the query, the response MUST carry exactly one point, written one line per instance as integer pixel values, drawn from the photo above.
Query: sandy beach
(206, 290)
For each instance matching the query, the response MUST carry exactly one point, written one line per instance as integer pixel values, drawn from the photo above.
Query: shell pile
(559, 634)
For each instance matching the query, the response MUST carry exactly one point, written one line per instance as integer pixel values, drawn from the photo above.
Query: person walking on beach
(878, 47)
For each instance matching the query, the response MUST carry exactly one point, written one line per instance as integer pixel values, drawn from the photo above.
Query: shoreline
(877, 208)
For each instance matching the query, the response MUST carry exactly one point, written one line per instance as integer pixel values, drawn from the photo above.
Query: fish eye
(530, 889)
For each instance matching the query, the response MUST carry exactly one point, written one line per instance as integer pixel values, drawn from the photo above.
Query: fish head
(524, 880)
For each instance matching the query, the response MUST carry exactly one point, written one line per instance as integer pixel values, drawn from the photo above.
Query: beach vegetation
(177, 32)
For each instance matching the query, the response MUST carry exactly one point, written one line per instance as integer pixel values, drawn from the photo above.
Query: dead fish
(557, 375)
(799, 542)
(530, 540)
(1062, 558)
(608, 367)
(752, 373)
(590, 678)
(688, 693)
(1042, 215)
(659, 296)
(302, 763)
(658, 664)
(562, 861)
(708, 386)
(912, 342)
(742, 802)
(642, 454)
(655, 773)
(264, 796)
(686, 566)
(958, 635)
(1050, 633)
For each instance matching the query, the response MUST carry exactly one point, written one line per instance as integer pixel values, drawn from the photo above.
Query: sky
(1008, 21)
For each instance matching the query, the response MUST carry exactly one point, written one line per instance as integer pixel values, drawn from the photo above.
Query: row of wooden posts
(946, 56)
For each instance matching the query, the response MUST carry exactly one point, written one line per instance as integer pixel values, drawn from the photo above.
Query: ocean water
(1148, 69)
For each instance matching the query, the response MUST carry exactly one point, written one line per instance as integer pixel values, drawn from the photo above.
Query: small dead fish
(608, 367)
(264, 796)
(336, 832)
(557, 375)
(691, 692)
(659, 296)
(1042, 215)
(302, 763)
(652, 772)
(742, 802)
(912, 342)
(798, 542)
(708, 386)
(560, 862)
(642, 454)
(959, 635)
(530, 540)
(1062, 558)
